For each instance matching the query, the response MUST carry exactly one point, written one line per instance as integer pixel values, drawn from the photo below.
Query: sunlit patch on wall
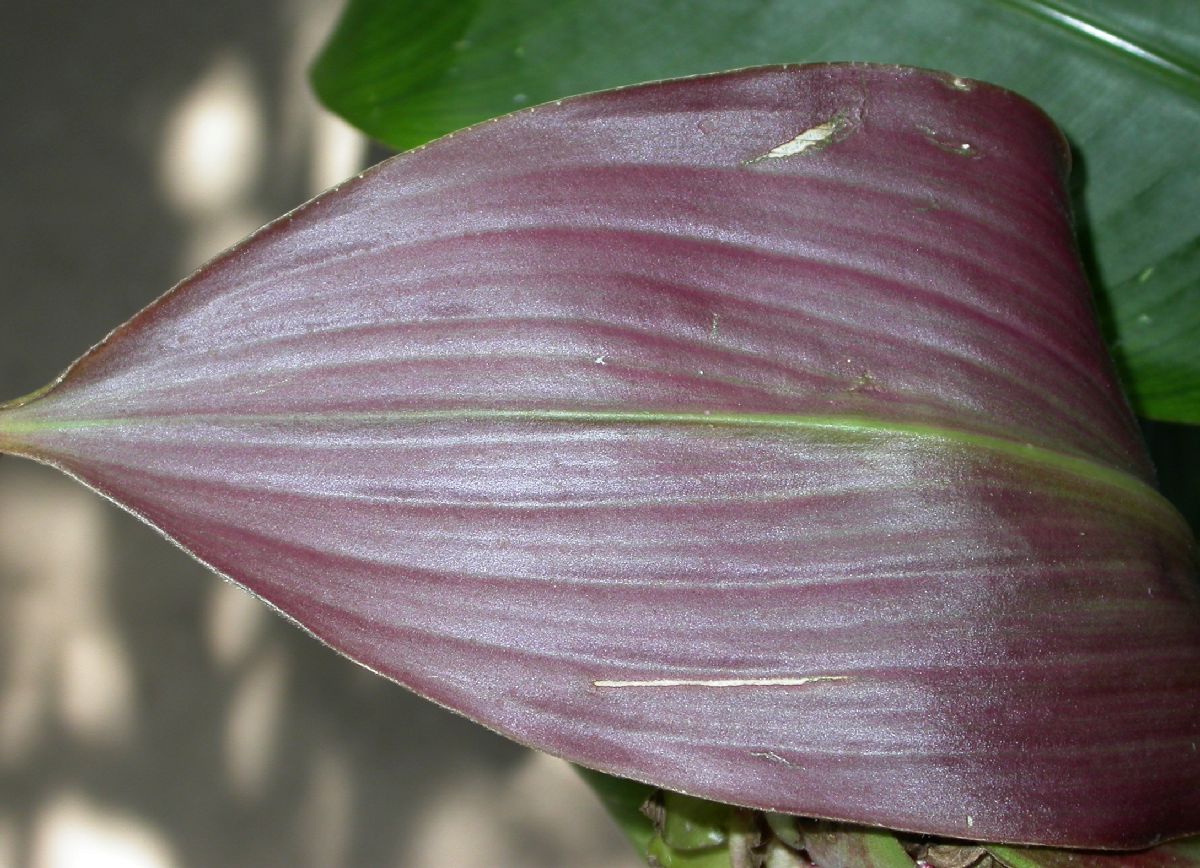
(541, 806)
(324, 820)
(72, 830)
(234, 623)
(336, 151)
(62, 653)
(8, 842)
(213, 156)
(253, 721)
(213, 142)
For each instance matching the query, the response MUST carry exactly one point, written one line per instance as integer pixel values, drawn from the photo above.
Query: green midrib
(854, 426)
(1179, 71)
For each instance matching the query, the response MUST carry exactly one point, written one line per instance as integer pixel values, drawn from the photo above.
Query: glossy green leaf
(1120, 76)
(694, 824)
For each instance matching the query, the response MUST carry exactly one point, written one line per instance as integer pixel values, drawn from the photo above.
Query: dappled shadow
(150, 713)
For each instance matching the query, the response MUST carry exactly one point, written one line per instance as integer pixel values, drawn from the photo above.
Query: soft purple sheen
(799, 482)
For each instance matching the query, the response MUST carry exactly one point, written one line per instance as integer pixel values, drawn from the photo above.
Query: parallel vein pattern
(1120, 77)
(799, 482)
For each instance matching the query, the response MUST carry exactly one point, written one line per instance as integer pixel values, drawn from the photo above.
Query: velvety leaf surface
(747, 435)
(1121, 77)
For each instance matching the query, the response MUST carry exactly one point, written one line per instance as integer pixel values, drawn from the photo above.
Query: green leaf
(1120, 76)
(663, 856)
(623, 799)
(1177, 854)
(837, 846)
(694, 824)
(785, 828)
(689, 832)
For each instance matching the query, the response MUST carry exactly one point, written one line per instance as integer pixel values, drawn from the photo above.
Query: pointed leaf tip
(791, 477)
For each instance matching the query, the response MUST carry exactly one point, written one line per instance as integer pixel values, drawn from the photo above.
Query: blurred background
(152, 716)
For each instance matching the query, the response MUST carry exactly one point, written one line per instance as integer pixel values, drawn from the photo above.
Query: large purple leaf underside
(749, 435)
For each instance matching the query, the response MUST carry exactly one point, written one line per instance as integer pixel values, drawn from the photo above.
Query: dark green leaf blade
(1121, 77)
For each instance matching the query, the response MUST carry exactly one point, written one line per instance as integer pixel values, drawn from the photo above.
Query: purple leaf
(748, 435)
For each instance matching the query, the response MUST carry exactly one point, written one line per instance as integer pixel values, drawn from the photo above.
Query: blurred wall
(152, 716)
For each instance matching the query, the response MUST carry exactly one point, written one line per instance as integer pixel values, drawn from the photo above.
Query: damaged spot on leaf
(810, 141)
(956, 82)
(770, 755)
(958, 148)
(722, 682)
(865, 382)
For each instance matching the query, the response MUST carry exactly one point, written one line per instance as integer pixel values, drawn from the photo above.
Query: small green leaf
(785, 828)
(1188, 848)
(694, 824)
(663, 856)
(1016, 857)
(838, 846)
